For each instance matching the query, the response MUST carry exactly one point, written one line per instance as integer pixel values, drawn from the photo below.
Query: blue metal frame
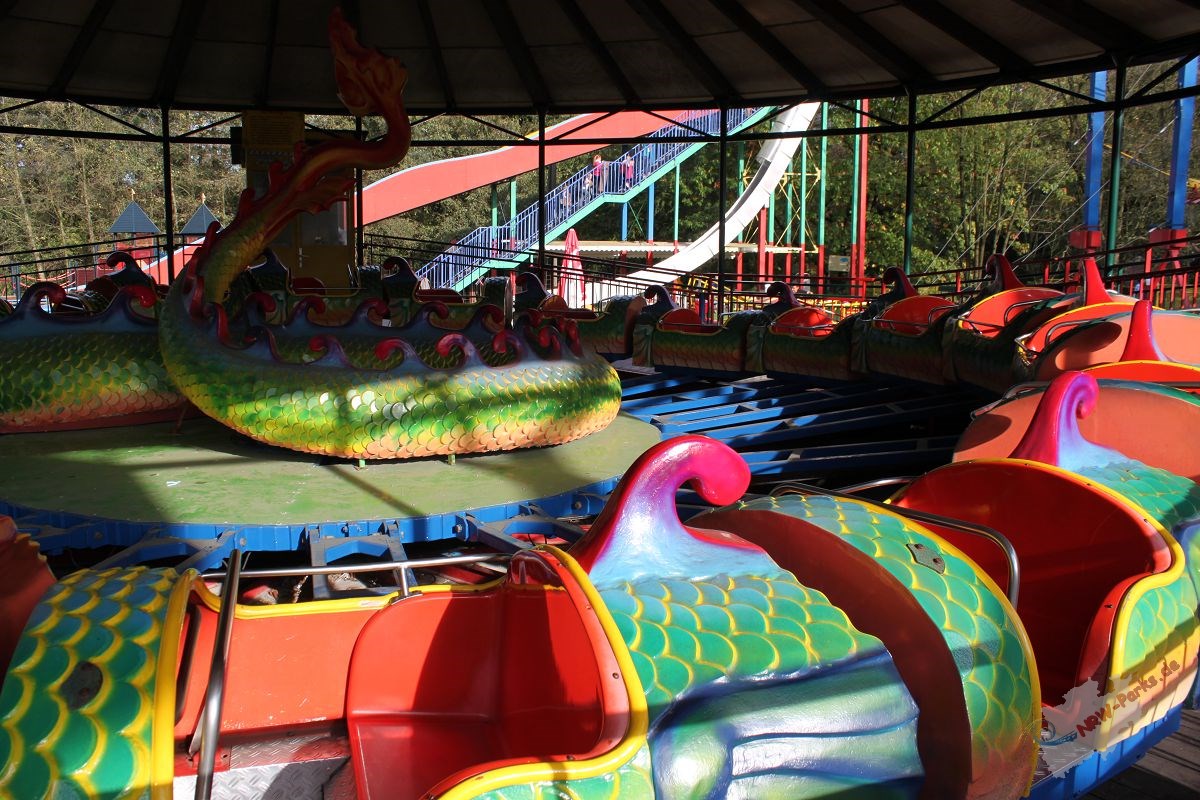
(1093, 169)
(1102, 766)
(778, 426)
(205, 546)
(795, 417)
(1181, 150)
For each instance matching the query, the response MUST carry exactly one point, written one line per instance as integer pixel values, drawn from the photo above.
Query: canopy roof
(197, 224)
(134, 220)
(491, 56)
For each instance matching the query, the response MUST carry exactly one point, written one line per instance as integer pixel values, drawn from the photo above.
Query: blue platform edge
(56, 531)
(1101, 766)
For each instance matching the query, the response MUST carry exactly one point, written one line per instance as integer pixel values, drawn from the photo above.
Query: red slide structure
(427, 183)
(436, 180)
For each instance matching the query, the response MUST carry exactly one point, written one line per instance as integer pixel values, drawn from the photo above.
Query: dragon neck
(369, 83)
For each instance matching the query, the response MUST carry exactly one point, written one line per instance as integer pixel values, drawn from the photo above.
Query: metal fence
(72, 266)
(573, 198)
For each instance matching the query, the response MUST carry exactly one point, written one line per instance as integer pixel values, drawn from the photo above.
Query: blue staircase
(511, 244)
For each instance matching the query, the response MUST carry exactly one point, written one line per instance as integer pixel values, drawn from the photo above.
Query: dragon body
(443, 397)
(65, 371)
(332, 379)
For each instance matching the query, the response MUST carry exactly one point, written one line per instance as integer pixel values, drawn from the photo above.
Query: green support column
(741, 170)
(360, 233)
(650, 212)
(771, 237)
(169, 193)
(512, 211)
(542, 188)
(802, 235)
(789, 188)
(676, 239)
(495, 207)
(1114, 180)
(722, 195)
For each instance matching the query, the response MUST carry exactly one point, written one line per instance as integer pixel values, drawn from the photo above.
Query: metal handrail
(899, 480)
(1067, 325)
(209, 729)
(185, 660)
(513, 239)
(383, 566)
(991, 534)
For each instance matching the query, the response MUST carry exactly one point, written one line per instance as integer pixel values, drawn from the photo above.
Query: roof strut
(518, 51)
(686, 49)
(79, 48)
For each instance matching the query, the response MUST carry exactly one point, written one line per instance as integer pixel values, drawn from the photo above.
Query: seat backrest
(989, 315)
(438, 295)
(804, 321)
(684, 319)
(1074, 543)
(306, 284)
(523, 670)
(912, 315)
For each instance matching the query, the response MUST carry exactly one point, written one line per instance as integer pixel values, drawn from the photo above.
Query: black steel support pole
(359, 228)
(910, 179)
(722, 201)
(542, 188)
(1114, 180)
(168, 192)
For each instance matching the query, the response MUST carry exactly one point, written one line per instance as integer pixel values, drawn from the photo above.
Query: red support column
(862, 205)
(762, 245)
(821, 269)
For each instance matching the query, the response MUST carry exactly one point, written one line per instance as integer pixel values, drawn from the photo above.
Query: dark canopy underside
(482, 56)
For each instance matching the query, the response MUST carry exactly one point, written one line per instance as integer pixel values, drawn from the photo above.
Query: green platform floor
(206, 474)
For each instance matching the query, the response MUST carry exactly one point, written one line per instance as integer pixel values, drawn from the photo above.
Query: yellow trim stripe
(1173, 364)
(626, 750)
(1141, 587)
(162, 726)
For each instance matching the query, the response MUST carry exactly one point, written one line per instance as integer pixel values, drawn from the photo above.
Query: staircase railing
(574, 198)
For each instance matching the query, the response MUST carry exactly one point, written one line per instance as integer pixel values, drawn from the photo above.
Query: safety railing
(462, 262)
(992, 535)
(71, 265)
(208, 731)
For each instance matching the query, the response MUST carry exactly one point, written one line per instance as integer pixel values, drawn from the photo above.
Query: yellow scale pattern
(76, 708)
(683, 634)
(631, 781)
(1163, 620)
(70, 377)
(981, 630)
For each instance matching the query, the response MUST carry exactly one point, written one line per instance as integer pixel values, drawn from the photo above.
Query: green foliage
(1012, 186)
(1008, 186)
(59, 190)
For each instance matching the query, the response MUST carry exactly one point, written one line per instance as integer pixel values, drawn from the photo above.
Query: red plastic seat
(1079, 551)
(446, 685)
(437, 295)
(912, 315)
(686, 320)
(990, 315)
(804, 321)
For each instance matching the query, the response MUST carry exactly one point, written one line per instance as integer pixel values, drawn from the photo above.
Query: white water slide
(774, 159)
